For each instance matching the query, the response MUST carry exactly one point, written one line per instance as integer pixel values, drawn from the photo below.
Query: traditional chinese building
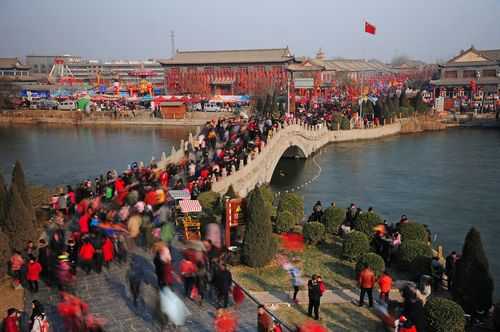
(13, 68)
(227, 72)
(471, 74)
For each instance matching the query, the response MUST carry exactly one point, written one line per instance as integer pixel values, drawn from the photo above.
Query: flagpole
(362, 73)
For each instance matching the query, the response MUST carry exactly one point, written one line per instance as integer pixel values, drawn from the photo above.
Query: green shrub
(210, 202)
(285, 222)
(443, 315)
(293, 203)
(374, 261)
(413, 254)
(332, 219)
(314, 232)
(366, 222)
(413, 231)
(267, 193)
(473, 286)
(355, 244)
(341, 121)
(259, 245)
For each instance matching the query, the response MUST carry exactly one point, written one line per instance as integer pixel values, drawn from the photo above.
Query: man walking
(366, 282)
(222, 282)
(314, 292)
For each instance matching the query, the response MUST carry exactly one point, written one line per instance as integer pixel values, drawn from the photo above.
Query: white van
(67, 105)
(212, 107)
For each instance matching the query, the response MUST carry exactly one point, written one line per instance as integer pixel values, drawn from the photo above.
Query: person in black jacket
(222, 282)
(43, 258)
(97, 242)
(72, 251)
(314, 291)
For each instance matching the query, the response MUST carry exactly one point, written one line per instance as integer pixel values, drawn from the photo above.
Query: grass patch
(324, 259)
(335, 317)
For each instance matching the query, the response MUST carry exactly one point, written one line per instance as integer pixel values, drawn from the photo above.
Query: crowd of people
(386, 241)
(99, 222)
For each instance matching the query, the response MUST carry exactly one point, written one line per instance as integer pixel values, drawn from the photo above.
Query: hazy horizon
(424, 30)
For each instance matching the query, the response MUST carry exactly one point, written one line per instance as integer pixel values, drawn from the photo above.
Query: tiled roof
(352, 65)
(229, 56)
(493, 55)
(11, 63)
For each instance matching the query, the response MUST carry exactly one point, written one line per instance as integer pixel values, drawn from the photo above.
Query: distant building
(91, 71)
(470, 73)
(12, 67)
(42, 64)
(117, 70)
(227, 72)
(350, 69)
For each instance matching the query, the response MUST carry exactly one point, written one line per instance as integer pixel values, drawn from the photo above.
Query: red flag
(370, 28)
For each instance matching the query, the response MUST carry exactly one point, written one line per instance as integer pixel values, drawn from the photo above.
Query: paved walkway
(108, 297)
(336, 296)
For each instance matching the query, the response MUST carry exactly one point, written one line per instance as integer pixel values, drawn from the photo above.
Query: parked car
(212, 107)
(67, 105)
(47, 104)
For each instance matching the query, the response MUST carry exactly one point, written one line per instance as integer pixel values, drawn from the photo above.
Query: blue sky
(111, 29)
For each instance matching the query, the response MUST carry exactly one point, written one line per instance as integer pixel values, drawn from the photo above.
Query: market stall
(189, 209)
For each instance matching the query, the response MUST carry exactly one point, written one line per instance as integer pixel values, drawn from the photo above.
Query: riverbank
(78, 118)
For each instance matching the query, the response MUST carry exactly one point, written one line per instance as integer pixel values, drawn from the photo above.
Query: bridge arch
(293, 150)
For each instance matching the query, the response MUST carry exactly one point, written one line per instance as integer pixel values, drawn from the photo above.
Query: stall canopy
(189, 205)
(179, 194)
(230, 99)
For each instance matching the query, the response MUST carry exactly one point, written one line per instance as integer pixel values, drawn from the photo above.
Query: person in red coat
(33, 274)
(107, 251)
(366, 282)
(86, 254)
(84, 221)
(11, 322)
(385, 285)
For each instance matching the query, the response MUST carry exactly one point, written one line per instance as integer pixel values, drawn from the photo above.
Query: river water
(67, 155)
(449, 180)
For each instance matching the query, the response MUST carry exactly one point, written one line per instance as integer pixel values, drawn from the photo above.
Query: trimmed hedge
(413, 231)
(285, 222)
(443, 315)
(415, 256)
(314, 232)
(332, 218)
(355, 244)
(366, 222)
(293, 203)
(374, 261)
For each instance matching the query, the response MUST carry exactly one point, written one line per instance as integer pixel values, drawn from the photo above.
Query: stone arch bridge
(293, 140)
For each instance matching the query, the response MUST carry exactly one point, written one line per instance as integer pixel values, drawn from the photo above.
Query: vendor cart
(189, 208)
(174, 197)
